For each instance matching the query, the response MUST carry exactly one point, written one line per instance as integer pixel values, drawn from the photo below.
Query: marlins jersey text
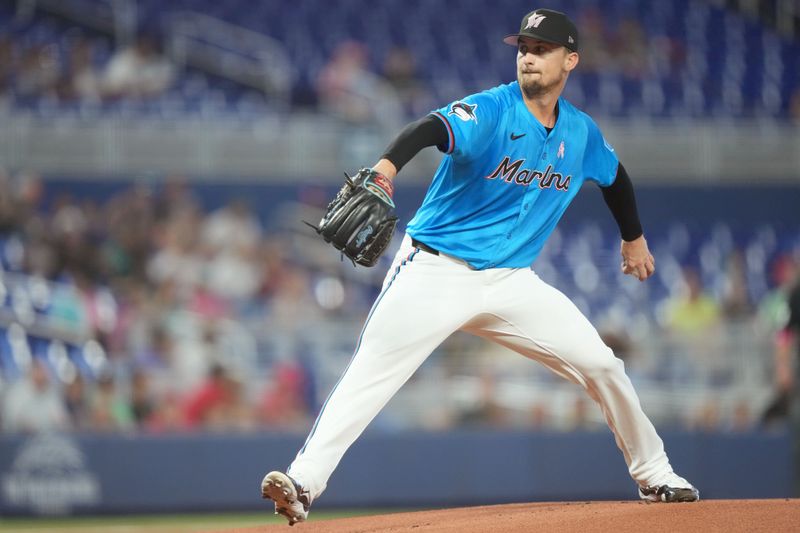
(505, 181)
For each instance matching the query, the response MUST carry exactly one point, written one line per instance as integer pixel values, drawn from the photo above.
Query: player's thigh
(539, 321)
(424, 299)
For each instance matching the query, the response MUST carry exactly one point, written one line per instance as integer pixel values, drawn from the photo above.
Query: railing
(196, 40)
(113, 17)
(269, 148)
(249, 58)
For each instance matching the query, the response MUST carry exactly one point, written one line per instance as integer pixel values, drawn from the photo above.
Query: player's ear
(571, 61)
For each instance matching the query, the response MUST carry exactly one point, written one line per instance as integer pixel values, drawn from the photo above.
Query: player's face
(543, 67)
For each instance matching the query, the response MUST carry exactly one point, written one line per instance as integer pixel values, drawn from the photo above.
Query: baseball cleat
(291, 501)
(672, 489)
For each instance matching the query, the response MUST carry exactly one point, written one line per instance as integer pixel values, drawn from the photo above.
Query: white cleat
(671, 489)
(291, 501)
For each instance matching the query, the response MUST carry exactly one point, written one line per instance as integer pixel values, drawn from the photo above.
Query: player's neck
(543, 108)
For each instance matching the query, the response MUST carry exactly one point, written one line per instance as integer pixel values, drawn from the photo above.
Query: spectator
(8, 62)
(693, 320)
(81, 80)
(400, 71)
(232, 235)
(138, 71)
(787, 372)
(71, 231)
(787, 365)
(110, 411)
(143, 404)
(794, 106)
(8, 208)
(595, 53)
(293, 305)
(168, 417)
(283, 403)
(175, 196)
(774, 314)
(77, 403)
(29, 192)
(692, 312)
(629, 48)
(238, 414)
(156, 354)
(735, 295)
(485, 411)
(773, 309)
(177, 257)
(33, 404)
(130, 219)
(234, 275)
(39, 71)
(217, 403)
(349, 91)
(232, 227)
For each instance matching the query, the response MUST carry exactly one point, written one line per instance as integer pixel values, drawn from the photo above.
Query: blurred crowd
(84, 70)
(369, 89)
(147, 312)
(143, 284)
(78, 73)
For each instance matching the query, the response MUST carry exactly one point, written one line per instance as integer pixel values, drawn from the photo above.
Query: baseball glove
(360, 220)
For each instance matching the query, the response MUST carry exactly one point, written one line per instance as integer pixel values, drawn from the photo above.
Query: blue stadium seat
(721, 46)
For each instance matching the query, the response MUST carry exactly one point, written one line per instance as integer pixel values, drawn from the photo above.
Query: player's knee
(606, 364)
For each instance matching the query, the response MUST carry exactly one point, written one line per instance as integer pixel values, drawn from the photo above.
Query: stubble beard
(535, 89)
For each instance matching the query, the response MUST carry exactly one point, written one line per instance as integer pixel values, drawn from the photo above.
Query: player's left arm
(636, 257)
(427, 131)
(464, 136)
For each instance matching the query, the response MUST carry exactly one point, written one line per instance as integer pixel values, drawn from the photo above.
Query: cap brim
(513, 39)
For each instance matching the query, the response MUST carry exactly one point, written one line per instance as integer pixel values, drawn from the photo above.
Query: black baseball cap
(547, 25)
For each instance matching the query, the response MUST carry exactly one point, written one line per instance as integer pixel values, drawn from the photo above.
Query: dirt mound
(707, 516)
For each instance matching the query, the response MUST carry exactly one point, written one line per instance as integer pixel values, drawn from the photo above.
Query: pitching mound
(726, 516)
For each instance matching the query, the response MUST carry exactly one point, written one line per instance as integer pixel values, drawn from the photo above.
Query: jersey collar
(534, 122)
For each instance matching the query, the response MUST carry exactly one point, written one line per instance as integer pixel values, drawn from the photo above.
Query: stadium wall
(65, 474)
(270, 150)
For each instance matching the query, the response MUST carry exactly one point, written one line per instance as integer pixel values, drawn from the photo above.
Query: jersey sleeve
(471, 123)
(600, 160)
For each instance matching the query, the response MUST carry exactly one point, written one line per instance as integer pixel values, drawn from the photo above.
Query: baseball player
(516, 156)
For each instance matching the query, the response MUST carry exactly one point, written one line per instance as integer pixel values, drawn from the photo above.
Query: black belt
(424, 247)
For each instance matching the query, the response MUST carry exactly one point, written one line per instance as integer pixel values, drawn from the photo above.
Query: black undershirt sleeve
(427, 131)
(621, 201)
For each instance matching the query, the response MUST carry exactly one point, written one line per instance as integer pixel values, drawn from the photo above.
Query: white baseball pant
(427, 297)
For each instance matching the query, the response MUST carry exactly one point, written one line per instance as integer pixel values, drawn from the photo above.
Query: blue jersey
(505, 182)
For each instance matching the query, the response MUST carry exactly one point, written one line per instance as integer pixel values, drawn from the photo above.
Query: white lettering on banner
(49, 476)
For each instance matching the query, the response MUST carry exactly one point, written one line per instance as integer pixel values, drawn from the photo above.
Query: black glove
(360, 221)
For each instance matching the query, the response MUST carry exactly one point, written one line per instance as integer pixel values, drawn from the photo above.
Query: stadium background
(169, 327)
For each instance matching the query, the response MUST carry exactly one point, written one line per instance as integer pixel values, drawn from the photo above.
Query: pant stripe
(408, 259)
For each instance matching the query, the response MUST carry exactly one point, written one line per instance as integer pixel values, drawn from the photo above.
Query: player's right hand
(637, 259)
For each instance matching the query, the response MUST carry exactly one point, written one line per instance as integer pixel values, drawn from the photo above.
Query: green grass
(165, 523)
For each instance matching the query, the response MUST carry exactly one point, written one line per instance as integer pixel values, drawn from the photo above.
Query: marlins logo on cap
(534, 21)
(547, 25)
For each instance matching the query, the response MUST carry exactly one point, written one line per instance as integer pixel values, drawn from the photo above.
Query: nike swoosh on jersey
(515, 137)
